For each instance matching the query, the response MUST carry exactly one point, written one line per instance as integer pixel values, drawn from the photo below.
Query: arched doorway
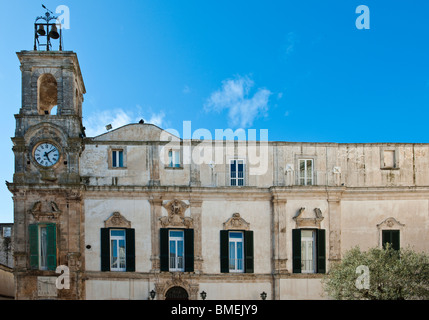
(176, 293)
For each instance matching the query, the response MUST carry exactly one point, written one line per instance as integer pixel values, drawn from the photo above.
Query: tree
(379, 274)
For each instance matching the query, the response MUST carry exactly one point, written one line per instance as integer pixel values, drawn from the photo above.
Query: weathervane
(51, 31)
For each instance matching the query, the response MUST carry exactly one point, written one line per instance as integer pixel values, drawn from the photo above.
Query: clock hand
(50, 151)
(47, 157)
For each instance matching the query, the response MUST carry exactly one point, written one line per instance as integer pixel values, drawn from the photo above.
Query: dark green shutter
(189, 250)
(321, 251)
(392, 237)
(130, 250)
(51, 232)
(296, 250)
(248, 252)
(395, 240)
(105, 249)
(224, 256)
(164, 249)
(33, 236)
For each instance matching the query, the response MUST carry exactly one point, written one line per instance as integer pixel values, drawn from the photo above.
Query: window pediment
(116, 220)
(45, 210)
(236, 222)
(303, 220)
(390, 223)
(176, 215)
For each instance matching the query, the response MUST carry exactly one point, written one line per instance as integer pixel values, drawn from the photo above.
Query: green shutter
(395, 240)
(296, 250)
(105, 249)
(385, 238)
(248, 252)
(189, 250)
(33, 236)
(51, 246)
(224, 260)
(164, 249)
(131, 250)
(321, 251)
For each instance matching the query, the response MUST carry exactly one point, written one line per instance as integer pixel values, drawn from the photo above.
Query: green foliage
(393, 275)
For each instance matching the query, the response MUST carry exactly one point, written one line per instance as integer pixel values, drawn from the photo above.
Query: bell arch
(47, 93)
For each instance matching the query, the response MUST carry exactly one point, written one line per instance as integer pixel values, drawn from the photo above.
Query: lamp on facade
(47, 26)
(203, 295)
(152, 294)
(263, 295)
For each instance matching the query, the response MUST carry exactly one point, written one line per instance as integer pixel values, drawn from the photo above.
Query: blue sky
(300, 69)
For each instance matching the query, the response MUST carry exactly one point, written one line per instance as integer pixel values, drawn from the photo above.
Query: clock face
(46, 154)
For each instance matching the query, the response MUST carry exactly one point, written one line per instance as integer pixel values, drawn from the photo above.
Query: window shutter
(321, 251)
(248, 252)
(130, 249)
(164, 249)
(105, 249)
(189, 250)
(33, 235)
(224, 260)
(51, 246)
(296, 250)
(385, 238)
(395, 239)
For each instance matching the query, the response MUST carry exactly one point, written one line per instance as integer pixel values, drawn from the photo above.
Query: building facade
(6, 249)
(138, 210)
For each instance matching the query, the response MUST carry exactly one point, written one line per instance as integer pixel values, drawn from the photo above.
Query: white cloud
(157, 119)
(234, 96)
(96, 123)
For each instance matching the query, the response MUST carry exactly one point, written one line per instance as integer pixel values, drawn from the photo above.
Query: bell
(41, 31)
(54, 33)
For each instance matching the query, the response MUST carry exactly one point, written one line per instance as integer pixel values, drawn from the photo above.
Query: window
(237, 172)
(236, 251)
(43, 247)
(7, 232)
(117, 249)
(174, 158)
(389, 159)
(177, 250)
(308, 251)
(392, 237)
(117, 158)
(236, 263)
(305, 172)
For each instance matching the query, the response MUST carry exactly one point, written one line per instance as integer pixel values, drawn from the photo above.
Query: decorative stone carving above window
(163, 284)
(390, 223)
(176, 215)
(116, 220)
(312, 222)
(236, 223)
(45, 210)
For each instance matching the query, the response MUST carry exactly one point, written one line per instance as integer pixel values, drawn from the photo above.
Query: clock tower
(46, 187)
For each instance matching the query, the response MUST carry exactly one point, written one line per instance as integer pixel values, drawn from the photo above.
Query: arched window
(47, 93)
